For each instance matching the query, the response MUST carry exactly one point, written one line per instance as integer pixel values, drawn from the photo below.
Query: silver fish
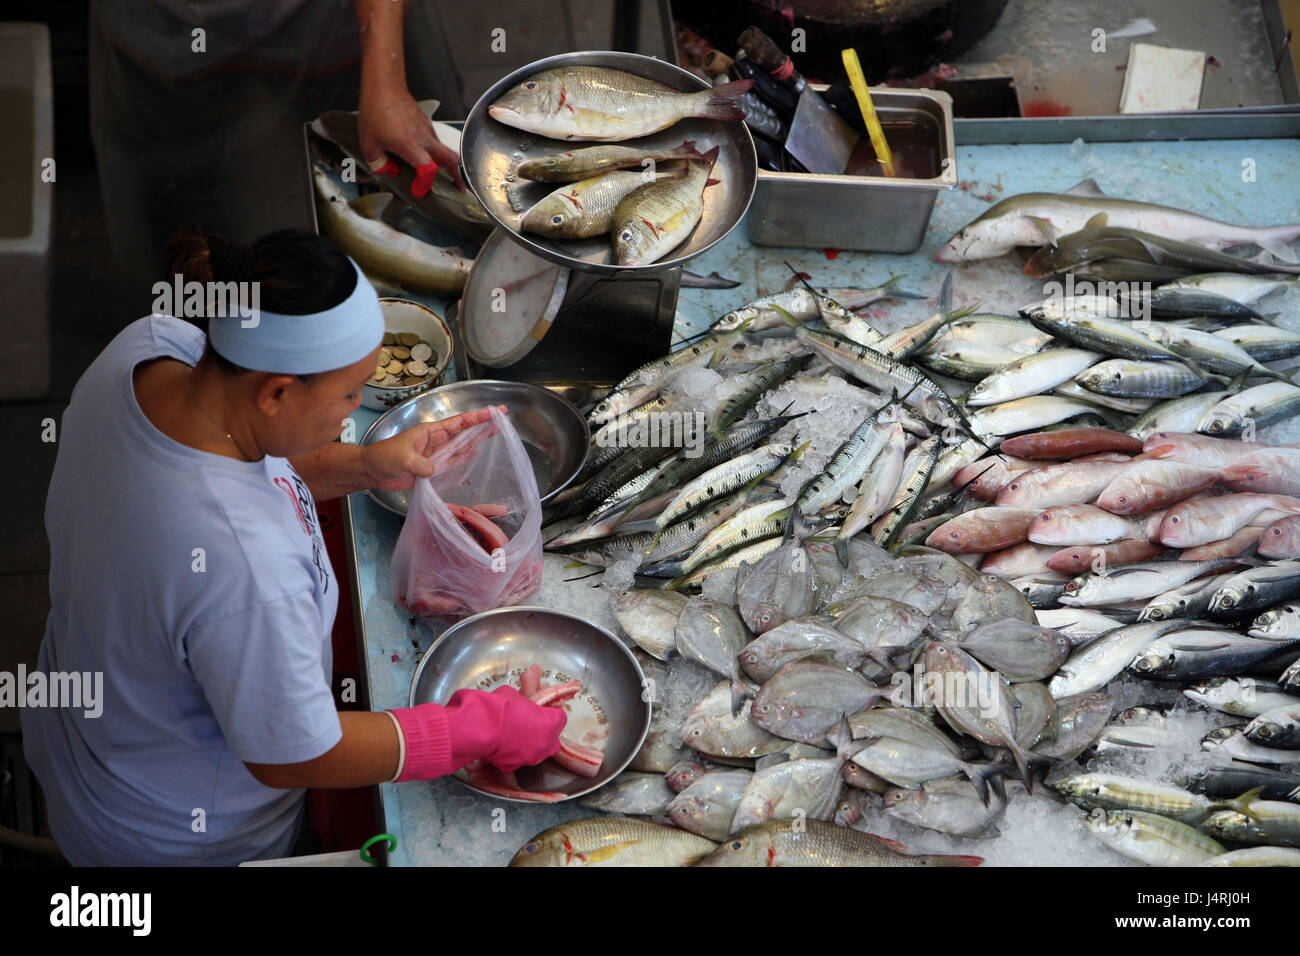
(709, 804)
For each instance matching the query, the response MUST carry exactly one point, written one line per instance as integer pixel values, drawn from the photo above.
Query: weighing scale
(555, 311)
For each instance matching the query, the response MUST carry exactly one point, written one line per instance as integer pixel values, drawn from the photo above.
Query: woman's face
(311, 414)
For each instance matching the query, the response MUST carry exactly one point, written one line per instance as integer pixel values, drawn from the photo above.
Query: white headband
(303, 344)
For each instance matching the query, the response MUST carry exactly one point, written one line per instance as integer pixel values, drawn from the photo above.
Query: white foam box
(1161, 79)
(26, 209)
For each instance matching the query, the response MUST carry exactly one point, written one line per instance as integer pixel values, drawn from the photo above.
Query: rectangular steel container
(868, 213)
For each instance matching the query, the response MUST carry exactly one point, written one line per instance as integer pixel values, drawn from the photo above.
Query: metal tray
(491, 151)
(872, 213)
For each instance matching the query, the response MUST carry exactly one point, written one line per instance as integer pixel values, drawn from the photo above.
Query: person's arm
(339, 469)
(388, 117)
(366, 755)
(501, 726)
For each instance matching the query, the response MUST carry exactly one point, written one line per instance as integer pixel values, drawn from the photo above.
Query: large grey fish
(599, 104)
(1035, 708)
(1035, 219)
(1197, 653)
(1016, 649)
(801, 637)
(1228, 779)
(1255, 589)
(1078, 720)
(1262, 405)
(976, 701)
(1177, 414)
(1280, 623)
(949, 805)
(777, 589)
(991, 598)
(1092, 666)
(711, 728)
(612, 841)
(649, 616)
(804, 700)
(637, 794)
(1081, 625)
(910, 762)
(1241, 696)
(712, 634)
(709, 804)
(1231, 742)
(1031, 375)
(1098, 241)
(819, 843)
(807, 788)
(1278, 727)
(803, 304)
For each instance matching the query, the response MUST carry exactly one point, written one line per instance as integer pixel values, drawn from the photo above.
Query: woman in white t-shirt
(187, 568)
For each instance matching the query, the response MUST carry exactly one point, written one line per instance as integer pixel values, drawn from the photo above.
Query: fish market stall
(444, 823)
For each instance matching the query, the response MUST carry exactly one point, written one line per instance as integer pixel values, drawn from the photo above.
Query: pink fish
(982, 530)
(1227, 548)
(1152, 483)
(1281, 539)
(1203, 520)
(1081, 559)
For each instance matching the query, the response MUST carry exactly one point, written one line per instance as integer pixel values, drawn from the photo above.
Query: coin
(407, 338)
(385, 356)
(390, 381)
(421, 352)
(394, 367)
(401, 352)
(412, 380)
(380, 372)
(390, 338)
(417, 368)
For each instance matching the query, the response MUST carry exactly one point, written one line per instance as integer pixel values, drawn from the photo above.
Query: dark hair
(297, 273)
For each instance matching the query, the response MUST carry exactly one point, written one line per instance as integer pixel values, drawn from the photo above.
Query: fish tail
(890, 285)
(688, 150)
(722, 104)
(842, 551)
(740, 692)
(1275, 241)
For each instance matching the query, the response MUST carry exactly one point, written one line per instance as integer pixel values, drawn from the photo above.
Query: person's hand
(389, 120)
(394, 463)
(503, 727)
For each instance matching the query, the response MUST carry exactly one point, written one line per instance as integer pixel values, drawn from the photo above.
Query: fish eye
(1277, 532)
(1123, 499)
(626, 235)
(954, 535)
(1045, 516)
(1174, 520)
(1015, 485)
(532, 848)
(557, 219)
(530, 85)
(737, 844)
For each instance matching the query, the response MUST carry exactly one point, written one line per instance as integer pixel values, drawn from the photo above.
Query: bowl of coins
(417, 347)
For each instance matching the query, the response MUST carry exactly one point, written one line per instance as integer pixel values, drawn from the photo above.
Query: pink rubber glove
(502, 727)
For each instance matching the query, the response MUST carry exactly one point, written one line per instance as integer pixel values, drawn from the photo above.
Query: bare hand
(390, 120)
(394, 463)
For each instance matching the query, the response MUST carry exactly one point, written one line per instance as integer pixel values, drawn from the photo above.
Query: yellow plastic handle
(874, 129)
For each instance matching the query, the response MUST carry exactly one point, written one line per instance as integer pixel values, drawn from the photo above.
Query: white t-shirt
(199, 586)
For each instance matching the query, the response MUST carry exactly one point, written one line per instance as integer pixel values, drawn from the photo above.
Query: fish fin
(373, 205)
(722, 105)
(945, 294)
(770, 760)
(841, 546)
(1096, 221)
(790, 320)
(896, 293)
(1085, 187)
(1242, 804)
(1046, 228)
(712, 182)
(687, 149)
(895, 845)
(740, 692)
(1279, 250)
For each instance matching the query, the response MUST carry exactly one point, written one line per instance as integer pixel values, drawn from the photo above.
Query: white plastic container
(26, 209)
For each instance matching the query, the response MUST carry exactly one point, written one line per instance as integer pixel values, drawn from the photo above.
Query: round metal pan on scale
(519, 280)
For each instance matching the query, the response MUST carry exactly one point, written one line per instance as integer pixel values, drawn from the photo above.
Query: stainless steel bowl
(490, 152)
(490, 649)
(554, 433)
